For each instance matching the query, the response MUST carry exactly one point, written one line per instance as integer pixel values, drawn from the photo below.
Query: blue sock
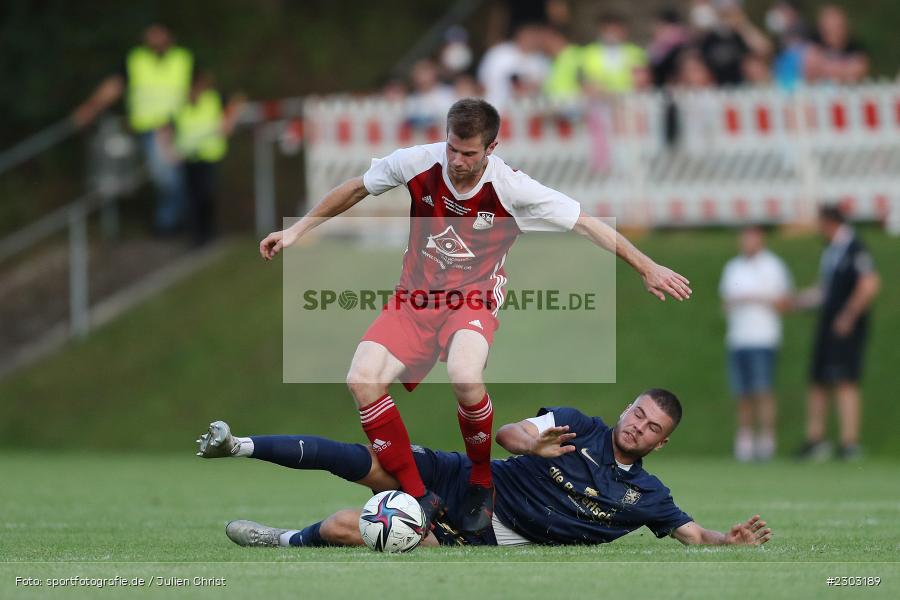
(349, 461)
(309, 537)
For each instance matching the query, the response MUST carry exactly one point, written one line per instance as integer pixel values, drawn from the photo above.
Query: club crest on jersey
(449, 244)
(485, 220)
(631, 496)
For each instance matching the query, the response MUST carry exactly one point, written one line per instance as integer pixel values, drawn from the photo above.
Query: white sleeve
(543, 422)
(725, 282)
(786, 282)
(535, 206)
(397, 168)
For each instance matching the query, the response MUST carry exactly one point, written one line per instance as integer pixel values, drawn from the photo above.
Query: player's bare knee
(467, 391)
(363, 384)
(342, 528)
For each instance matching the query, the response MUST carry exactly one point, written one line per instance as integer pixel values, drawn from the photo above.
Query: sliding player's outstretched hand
(753, 532)
(660, 280)
(553, 442)
(275, 242)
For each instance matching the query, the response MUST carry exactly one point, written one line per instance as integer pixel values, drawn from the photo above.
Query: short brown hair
(667, 402)
(473, 116)
(833, 213)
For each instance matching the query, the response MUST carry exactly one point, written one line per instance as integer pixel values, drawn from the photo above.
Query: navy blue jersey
(581, 497)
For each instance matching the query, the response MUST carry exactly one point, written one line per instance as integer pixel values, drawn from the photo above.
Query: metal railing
(113, 176)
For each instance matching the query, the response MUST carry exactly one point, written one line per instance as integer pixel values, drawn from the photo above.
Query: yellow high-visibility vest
(564, 80)
(612, 75)
(198, 128)
(157, 85)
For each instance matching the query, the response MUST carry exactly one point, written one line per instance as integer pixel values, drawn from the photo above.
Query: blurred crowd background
(699, 45)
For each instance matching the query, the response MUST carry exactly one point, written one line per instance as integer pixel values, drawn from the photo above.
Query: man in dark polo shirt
(847, 286)
(573, 480)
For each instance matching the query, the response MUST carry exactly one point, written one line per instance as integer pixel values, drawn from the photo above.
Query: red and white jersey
(460, 241)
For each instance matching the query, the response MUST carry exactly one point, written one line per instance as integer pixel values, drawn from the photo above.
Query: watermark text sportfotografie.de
(524, 299)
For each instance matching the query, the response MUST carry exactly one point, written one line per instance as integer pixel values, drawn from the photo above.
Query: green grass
(96, 515)
(211, 347)
(97, 476)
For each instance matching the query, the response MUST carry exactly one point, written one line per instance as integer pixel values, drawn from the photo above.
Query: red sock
(475, 423)
(382, 423)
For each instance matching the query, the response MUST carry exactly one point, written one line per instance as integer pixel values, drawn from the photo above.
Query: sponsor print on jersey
(455, 207)
(485, 220)
(585, 503)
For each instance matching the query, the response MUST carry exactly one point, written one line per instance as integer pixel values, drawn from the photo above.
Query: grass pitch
(99, 516)
(90, 487)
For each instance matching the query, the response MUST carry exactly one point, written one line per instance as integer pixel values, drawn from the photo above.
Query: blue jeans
(168, 178)
(751, 370)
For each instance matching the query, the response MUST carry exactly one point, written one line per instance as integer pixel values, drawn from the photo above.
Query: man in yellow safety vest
(610, 64)
(199, 142)
(155, 80)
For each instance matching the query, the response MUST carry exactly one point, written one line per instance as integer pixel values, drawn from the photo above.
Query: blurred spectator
(756, 70)
(465, 86)
(610, 62)
(691, 120)
(201, 128)
(394, 91)
(430, 98)
(692, 72)
(155, 78)
(670, 38)
(456, 55)
(564, 80)
(642, 78)
(727, 37)
(848, 283)
(504, 17)
(514, 67)
(783, 20)
(834, 55)
(559, 13)
(755, 286)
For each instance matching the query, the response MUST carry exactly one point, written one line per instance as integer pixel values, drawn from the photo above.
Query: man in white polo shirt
(755, 287)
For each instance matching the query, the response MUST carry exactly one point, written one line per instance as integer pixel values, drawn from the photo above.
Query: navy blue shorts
(838, 359)
(447, 475)
(751, 370)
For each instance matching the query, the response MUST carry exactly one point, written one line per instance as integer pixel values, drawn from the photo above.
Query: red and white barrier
(753, 154)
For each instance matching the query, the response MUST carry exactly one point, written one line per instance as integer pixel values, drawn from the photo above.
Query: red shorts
(421, 337)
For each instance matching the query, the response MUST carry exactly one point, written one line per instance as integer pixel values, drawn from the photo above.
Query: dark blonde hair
(473, 116)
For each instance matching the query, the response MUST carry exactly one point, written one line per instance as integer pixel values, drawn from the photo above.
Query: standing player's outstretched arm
(752, 532)
(338, 200)
(658, 280)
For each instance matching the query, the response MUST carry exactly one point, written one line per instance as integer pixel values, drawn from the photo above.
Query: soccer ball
(392, 522)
